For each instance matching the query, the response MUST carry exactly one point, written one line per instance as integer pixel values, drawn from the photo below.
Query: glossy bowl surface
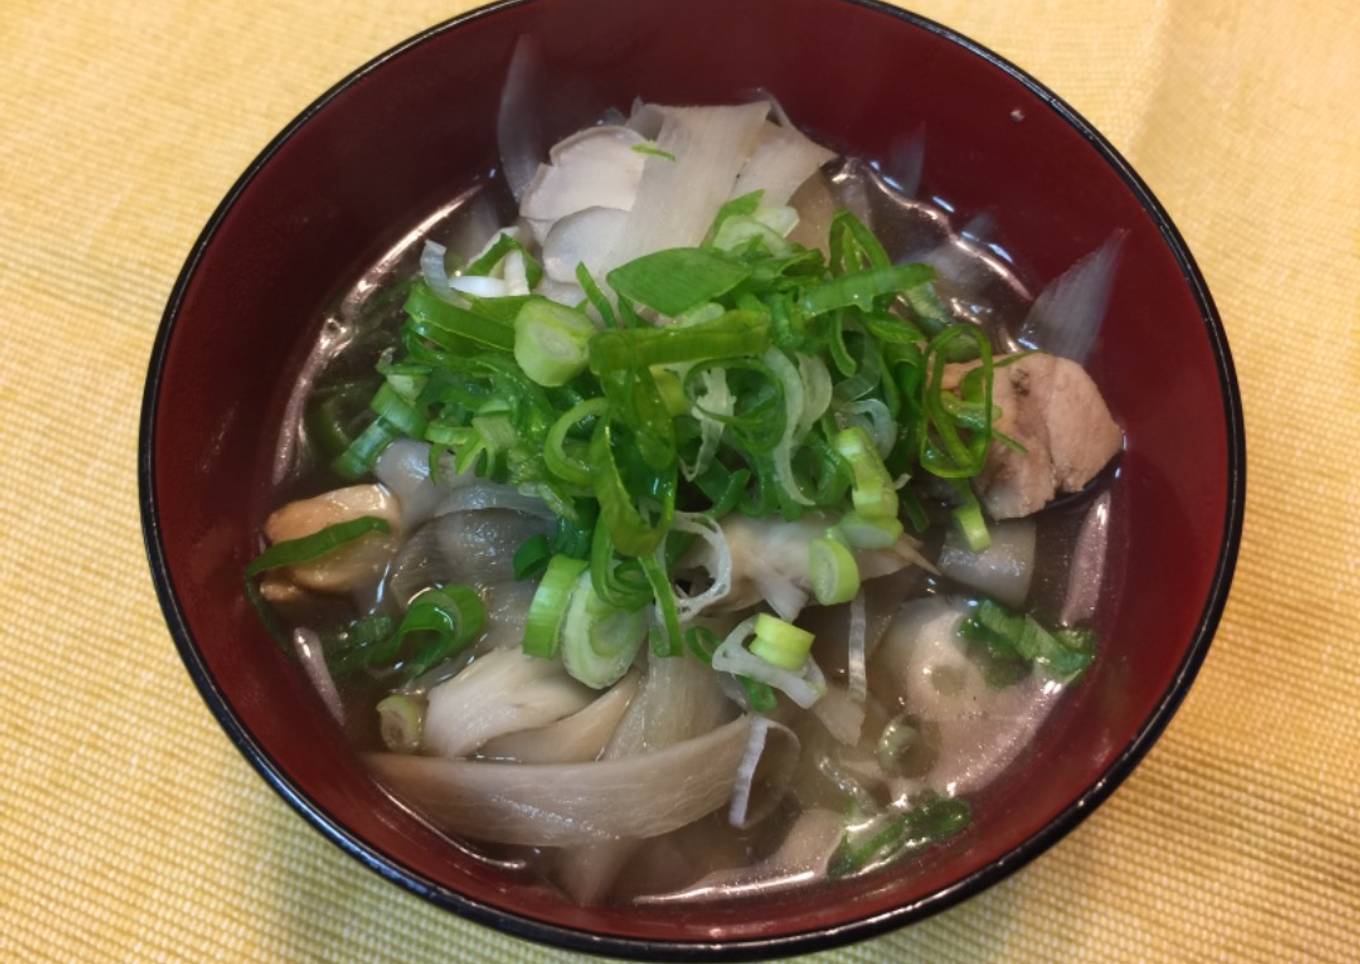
(405, 132)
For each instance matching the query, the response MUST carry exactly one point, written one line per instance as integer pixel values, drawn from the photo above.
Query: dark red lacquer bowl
(408, 130)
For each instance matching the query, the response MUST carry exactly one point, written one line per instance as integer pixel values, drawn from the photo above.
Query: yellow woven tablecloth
(130, 828)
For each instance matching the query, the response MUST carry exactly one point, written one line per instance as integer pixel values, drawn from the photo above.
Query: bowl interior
(418, 126)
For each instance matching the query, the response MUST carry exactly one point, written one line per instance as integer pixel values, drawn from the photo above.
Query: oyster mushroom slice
(352, 566)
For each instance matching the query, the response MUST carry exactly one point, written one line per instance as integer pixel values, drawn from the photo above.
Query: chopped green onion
(532, 557)
(651, 150)
(573, 537)
(862, 532)
(337, 413)
(434, 318)
(548, 608)
(833, 571)
(357, 460)
(894, 331)
(503, 246)
(930, 313)
(898, 737)
(943, 449)
(1063, 656)
(702, 641)
(968, 517)
(744, 206)
(569, 468)
(781, 643)
(724, 487)
(599, 642)
(677, 279)
(501, 310)
(388, 404)
(853, 246)
(1081, 639)
(629, 531)
(863, 288)
(595, 296)
(916, 512)
(735, 334)
(628, 316)
(401, 721)
(872, 491)
(738, 233)
(664, 592)
(295, 552)
(551, 341)
(495, 431)
(620, 583)
(672, 391)
(933, 820)
(447, 618)
(352, 647)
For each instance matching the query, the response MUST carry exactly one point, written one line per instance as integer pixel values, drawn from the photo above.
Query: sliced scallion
(441, 620)
(571, 468)
(677, 279)
(532, 557)
(357, 460)
(542, 628)
(599, 642)
(781, 643)
(872, 492)
(833, 571)
(969, 520)
(551, 341)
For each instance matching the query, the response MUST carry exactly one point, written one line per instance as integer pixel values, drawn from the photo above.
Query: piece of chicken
(1053, 408)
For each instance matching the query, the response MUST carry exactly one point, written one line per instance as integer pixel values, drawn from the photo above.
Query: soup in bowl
(663, 510)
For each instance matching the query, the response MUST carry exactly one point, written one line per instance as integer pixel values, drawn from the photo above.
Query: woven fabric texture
(131, 829)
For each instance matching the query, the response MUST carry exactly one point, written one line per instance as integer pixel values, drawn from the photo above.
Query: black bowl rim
(798, 943)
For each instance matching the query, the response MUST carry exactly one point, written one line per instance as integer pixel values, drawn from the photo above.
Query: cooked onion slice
(764, 773)
(856, 641)
(717, 560)
(573, 804)
(307, 645)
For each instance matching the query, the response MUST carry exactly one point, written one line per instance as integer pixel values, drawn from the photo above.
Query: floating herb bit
(932, 820)
(1063, 655)
(651, 150)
